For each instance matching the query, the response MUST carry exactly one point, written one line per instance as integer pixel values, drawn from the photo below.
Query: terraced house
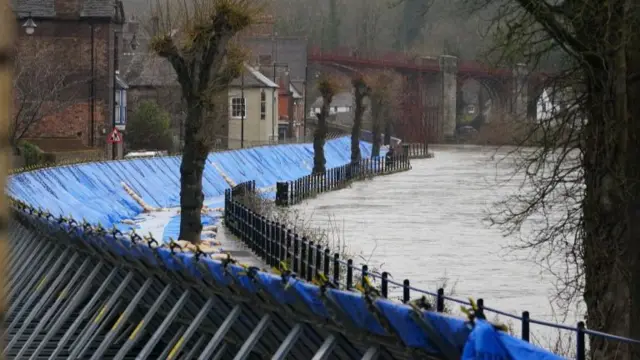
(66, 83)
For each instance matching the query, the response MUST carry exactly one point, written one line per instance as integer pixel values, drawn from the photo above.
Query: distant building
(78, 36)
(252, 100)
(290, 110)
(283, 59)
(341, 109)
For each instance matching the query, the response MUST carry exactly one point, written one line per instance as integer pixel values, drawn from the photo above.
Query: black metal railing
(293, 192)
(275, 243)
(418, 150)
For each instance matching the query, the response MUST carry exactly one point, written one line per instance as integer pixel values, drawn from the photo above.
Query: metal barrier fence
(78, 291)
(276, 244)
(293, 192)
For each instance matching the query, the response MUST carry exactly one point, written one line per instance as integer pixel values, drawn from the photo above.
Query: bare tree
(196, 38)
(327, 86)
(581, 192)
(41, 88)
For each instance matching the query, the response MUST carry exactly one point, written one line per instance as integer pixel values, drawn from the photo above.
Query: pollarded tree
(327, 86)
(361, 91)
(195, 36)
(384, 99)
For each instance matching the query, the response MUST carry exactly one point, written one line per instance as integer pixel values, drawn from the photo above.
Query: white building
(253, 100)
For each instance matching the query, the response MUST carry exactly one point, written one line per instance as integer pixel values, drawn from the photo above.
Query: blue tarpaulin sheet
(94, 192)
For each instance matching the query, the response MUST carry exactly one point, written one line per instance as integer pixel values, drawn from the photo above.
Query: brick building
(78, 36)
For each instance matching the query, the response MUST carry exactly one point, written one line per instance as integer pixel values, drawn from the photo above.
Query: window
(263, 105)
(121, 108)
(238, 108)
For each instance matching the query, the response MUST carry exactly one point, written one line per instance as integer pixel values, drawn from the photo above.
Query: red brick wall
(69, 122)
(283, 105)
(68, 42)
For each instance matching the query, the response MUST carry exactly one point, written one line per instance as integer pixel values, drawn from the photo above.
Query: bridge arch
(491, 100)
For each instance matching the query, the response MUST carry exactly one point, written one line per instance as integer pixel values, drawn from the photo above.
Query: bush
(30, 153)
(149, 128)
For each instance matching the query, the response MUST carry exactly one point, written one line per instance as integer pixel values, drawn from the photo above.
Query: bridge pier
(449, 72)
(519, 92)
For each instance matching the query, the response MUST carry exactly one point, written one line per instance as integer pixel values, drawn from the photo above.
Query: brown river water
(429, 224)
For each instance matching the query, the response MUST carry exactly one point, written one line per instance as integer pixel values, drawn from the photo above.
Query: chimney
(285, 79)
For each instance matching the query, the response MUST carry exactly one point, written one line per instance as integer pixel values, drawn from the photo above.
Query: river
(429, 224)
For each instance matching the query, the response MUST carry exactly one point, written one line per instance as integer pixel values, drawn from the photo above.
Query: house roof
(47, 8)
(253, 78)
(147, 69)
(287, 50)
(295, 93)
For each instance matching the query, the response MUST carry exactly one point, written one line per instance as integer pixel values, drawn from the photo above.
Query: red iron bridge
(431, 88)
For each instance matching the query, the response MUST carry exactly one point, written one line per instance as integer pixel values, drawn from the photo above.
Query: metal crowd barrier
(78, 291)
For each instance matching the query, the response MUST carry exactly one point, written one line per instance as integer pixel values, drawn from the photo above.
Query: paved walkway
(238, 250)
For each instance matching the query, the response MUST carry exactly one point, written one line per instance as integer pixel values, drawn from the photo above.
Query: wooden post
(7, 27)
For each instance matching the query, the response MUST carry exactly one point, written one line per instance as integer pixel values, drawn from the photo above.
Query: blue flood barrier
(94, 192)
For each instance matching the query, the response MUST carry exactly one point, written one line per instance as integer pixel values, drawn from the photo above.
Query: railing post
(296, 250)
(384, 288)
(406, 294)
(311, 246)
(326, 262)
(580, 343)
(525, 326)
(271, 236)
(365, 273)
(264, 239)
(303, 258)
(282, 194)
(349, 274)
(288, 247)
(480, 304)
(318, 264)
(440, 300)
(336, 270)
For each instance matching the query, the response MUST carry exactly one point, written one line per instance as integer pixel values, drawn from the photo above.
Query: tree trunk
(633, 169)
(376, 132)
(612, 194)
(319, 137)
(387, 128)
(357, 124)
(191, 169)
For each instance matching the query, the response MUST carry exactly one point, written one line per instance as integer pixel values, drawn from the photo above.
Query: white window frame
(233, 109)
(263, 105)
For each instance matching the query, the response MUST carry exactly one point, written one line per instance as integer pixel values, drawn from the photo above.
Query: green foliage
(30, 153)
(149, 128)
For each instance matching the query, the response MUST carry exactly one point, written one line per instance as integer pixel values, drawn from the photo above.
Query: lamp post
(273, 106)
(244, 106)
(133, 44)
